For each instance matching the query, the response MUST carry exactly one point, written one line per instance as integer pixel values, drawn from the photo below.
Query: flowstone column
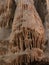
(28, 25)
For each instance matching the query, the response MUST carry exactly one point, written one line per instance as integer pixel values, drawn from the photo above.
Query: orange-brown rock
(27, 28)
(26, 42)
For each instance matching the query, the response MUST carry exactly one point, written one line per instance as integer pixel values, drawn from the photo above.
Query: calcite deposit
(23, 37)
(27, 28)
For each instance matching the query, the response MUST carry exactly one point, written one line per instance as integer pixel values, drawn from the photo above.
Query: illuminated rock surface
(23, 32)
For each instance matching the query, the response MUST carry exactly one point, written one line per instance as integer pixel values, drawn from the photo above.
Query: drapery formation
(26, 39)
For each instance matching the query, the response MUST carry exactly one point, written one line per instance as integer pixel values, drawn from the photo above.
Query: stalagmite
(27, 19)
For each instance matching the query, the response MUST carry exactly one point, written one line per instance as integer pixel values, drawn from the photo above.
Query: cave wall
(41, 7)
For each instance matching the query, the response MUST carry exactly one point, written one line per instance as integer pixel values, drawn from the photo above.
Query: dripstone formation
(27, 28)
(24, 36)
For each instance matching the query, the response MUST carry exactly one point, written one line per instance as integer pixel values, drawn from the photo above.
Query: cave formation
(25, 44)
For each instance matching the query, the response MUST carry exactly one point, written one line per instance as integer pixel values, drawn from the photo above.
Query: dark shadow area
(39, 63)
(13, 8)
(41, 8)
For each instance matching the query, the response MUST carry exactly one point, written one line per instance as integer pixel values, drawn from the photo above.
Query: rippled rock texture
(22, 32)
